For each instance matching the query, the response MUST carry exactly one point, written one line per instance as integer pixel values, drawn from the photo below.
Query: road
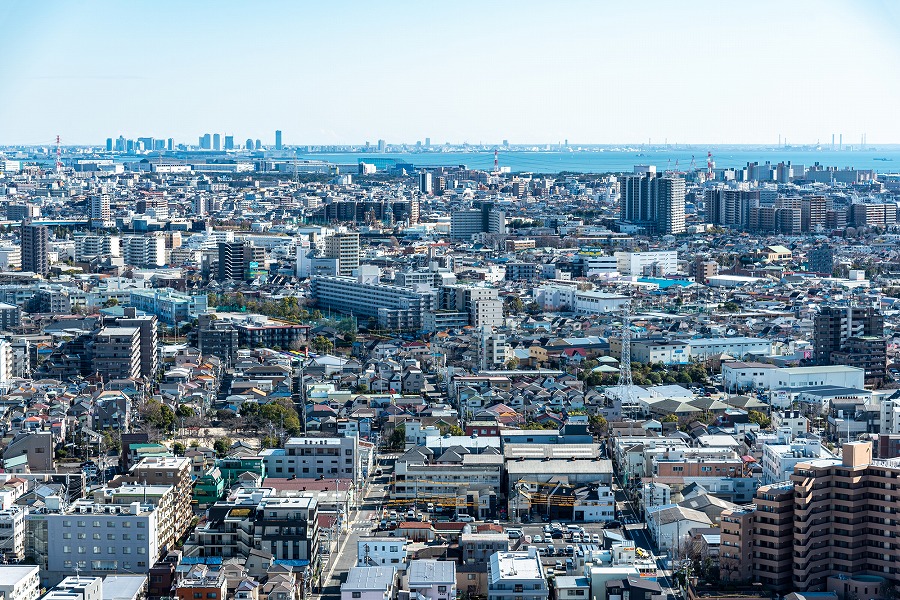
(361, 523)
(641, 537)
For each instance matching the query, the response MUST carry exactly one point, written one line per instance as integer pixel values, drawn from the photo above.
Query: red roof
(414, 525)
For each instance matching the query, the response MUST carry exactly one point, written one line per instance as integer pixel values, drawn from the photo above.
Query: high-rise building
(812, 213)
(109, 144)
(826, 527)
(656, 203)
(35, 243)
(258, 144)
(248, 144)
(382, 146)
(239, 260)
(821, 260)
(278, 145)
(486, 219)
(170, 145)
(425, 183)
(852, 336)
(206, 142)
(117, 353)
(229, 142)
(100, 211)
(217, 141)
(730, 208)
(345, 248)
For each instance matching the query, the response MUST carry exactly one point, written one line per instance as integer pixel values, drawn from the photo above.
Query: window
(211, 594)
(126, 536)
(81, 549)
(126, 524)
(110, 549)
(67, 549)
(82, 535)
(96, 523)
(82, 523)
(142, 525)
(442, 589)
(67, 564)
(142, 551)
(198, 594)
(67, 536)
(357, 594)
(110, 536)
(142, 536)
(110, 523)
(97, 549)
(67, 523)
(96, 536)
(126, 550)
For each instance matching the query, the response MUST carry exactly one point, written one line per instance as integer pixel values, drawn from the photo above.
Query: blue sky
(476, 71)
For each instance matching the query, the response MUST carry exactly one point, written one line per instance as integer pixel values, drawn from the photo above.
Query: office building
(345, 248)
(229, 142)
(94, 538)
(22, 212)
(35, 245)
(216, 142)
(278, 145)
(656, 203)
(205, 142)
(852, 336)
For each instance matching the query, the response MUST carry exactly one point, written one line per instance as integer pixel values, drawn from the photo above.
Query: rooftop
(428, 571)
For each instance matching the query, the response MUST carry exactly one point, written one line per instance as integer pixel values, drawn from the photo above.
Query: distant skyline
(344, 72)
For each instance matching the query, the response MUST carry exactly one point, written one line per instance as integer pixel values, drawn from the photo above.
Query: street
(641, 537)
(361, 523)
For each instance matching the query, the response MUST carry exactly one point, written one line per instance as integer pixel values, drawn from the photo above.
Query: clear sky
(479, 71)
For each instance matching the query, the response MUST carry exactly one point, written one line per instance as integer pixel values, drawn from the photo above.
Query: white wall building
(20, 582)
(634, 263)
(738, 347)
(517, 574)
(592, 302)
(369, 583)
(380, 551)
(432, 579)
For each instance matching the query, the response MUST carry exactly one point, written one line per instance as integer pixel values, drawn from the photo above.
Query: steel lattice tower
(626, 384)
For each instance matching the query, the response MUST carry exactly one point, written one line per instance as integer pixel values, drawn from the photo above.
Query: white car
(527, 539)
(537, 539)
(595, 538)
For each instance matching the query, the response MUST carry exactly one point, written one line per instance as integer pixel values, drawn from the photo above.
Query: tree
(512, 364)
(184, 411)
(513, 305)
(178, 449)
(670, 418)
(456, 430)
(759, 418)
(222, 446)
(731, 307)
(598, 423)
(322, 345)
(157, 414)
(397, 440)
(110, 303)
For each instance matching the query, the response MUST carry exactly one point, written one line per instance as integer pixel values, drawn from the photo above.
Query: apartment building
(89, 246)
(12, 532)
(117, 353)
(345, 248)
(431, 579)
(832, 520)
(96, 539)
(174, 471)
(370, 583)
(288, 528)
(331, 457)
(514, 575)
(393, 307)
(147, 250)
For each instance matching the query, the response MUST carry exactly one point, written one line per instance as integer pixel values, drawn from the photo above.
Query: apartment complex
(833, 520)
(345, 248)
(852, 336)
(332, 457)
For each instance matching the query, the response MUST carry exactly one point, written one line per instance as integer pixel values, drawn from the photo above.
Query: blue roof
(665, 283)
(201, 560)
(291, 562)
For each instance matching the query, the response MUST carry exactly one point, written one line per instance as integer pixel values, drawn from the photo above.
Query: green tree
(598, 423)
(184, 411)
(759, 418)
(322, 345)
(670, 418)
(178, 449)
(731, 307)
(456, 430)
(110, 303)
(158, 414)
(513, 305)
(397, 440)
(221, 446)
(512, 364)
